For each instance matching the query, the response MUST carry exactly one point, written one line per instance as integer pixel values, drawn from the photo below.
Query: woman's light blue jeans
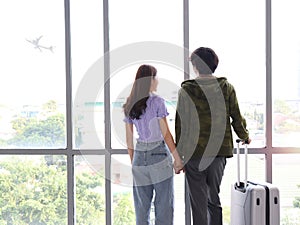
(153, 176)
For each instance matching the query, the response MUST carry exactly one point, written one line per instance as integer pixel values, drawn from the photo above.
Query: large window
(238, 38)
(141, 25)
(89, 189)
(286, 73)
(87, 74)
(286, 106)
(68, 66)
(32, 88)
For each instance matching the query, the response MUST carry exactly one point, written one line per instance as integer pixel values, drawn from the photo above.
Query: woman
(151, 159)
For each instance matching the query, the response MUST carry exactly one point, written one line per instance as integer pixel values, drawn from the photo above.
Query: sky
(31, 76)
(28, 74)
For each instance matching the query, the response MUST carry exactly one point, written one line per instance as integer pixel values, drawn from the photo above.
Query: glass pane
(286, 73)
(237, 35)
(87, 73)
(32, 106)
(287, 178)
(145, 21)
(33, 189)
(123, 206)
(90, 189)
(256, 173)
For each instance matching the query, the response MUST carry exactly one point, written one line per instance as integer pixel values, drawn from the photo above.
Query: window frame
(70, 152)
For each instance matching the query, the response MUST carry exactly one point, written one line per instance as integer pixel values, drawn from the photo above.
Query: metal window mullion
(186, 37)
(268, 117)
(70, 158)
(107, 129)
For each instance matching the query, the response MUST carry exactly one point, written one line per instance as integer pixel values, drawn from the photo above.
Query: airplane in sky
(36, 44)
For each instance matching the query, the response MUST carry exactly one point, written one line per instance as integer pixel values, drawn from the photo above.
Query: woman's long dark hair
(136, 102)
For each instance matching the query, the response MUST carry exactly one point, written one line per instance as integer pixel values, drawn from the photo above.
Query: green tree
(47, 129)
(33, 193)
(280, 106)
(33, 132)
(296, 201)
(90, 200)
(49, 107)
(123, 209)
(3, 143)
(19, 124)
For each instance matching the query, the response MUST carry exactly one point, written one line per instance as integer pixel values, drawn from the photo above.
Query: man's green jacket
(207, 110)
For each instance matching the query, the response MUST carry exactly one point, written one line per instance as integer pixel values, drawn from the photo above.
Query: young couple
(155, 156)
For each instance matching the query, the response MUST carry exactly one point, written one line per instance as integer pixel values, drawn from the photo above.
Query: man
(207, 108)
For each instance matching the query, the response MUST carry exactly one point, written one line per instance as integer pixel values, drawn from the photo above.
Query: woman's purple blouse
(147, 126)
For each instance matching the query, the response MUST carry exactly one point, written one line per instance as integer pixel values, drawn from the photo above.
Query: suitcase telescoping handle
(238, 141)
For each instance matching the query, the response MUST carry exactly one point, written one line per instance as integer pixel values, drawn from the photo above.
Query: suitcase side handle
(238, 141)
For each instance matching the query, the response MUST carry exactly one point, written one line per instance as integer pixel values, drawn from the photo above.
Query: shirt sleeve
(238, 121)
(161, 108)
(127, 120)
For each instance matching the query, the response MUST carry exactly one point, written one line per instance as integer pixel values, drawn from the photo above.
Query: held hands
(178, 165)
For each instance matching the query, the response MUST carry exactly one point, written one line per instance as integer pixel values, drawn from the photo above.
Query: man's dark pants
(204, 187)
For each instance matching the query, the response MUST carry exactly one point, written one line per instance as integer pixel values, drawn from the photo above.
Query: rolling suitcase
(248, 201)
(272, 203)
(253, 203)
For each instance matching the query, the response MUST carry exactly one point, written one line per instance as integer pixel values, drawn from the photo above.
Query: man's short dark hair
(205, 60)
